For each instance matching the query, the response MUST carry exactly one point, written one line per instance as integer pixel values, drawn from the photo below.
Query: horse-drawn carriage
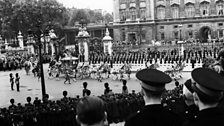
(122, 73)
(175, 70)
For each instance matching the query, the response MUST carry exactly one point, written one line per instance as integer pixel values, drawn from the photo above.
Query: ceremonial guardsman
(153, 83)
(208, 92)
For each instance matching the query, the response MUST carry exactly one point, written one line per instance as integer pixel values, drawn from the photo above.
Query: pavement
(30, 86)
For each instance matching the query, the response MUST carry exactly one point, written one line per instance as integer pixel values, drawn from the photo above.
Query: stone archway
(205, 34)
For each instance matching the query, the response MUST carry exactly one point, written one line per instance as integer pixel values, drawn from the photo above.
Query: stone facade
(146, 20)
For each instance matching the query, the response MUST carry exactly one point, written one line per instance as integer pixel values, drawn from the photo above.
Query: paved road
(30, 86)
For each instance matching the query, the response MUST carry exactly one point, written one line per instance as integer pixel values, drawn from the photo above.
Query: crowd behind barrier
(16, 61)
(62, 112)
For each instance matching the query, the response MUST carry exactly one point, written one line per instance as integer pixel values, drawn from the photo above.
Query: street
(30, 86)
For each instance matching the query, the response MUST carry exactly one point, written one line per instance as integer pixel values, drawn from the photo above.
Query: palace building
(141, 21)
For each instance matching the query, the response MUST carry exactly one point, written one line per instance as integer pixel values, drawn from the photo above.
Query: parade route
(30, 86)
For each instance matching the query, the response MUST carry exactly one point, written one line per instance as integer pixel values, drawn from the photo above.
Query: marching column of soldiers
(190, 55)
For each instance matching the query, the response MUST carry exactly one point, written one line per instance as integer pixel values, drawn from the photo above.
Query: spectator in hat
(107, 89)
(37, 101)
(208, 91)
(153, 84)
(88, 92)
(12, 106)
(65, 98)
(91, 111)
(28, 104)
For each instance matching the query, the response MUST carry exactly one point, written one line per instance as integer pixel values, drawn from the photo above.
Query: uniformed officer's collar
(151, 103)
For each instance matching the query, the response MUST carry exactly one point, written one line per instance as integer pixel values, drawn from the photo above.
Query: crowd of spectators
(16, 61)
(62, 112)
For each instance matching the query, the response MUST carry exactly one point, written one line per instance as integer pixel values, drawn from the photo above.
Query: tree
(90, 16)
(108, 18)
(23, 15)
(79, 15)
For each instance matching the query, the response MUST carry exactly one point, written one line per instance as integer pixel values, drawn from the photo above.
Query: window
(143, 36)
(190, 26)
(127, 14)
(133, 13)
(175, 26)
(204, 7)
(190, 34)
(161, 27)
(161, 12)
(220, 8)
(123, 36)
(122, 15)
(142, 13)
(175, 11)
(220, 24)
(220, 33)
(190, 10)
(162, 36)
(175, 35)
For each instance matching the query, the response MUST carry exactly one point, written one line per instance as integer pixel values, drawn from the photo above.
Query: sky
(91, 4)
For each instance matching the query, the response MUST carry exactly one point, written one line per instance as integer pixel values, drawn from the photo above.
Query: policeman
(153, 83)
(185, 106)
(208, 91)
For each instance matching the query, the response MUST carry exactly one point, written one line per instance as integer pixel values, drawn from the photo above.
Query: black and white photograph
(111, 62)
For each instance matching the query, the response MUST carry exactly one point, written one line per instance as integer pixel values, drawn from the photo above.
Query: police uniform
(184, 110)
(153, 114)
(209, 85)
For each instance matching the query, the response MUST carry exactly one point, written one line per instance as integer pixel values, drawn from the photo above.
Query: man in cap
(208, 91)
(185, 106)
(91, 112)
(190, 109)
(153, 85)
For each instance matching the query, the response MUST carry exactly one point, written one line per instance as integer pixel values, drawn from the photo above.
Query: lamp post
(1, 43)
(37, 35)
(180, 28)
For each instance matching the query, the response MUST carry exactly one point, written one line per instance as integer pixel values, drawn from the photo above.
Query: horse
(82, 72)
(175, 70)
(103, 69)
(125, 69)
(115, 72)
(93, 72)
